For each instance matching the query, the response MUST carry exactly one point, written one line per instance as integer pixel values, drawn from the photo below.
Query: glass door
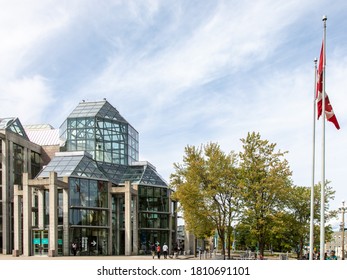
(40, 242)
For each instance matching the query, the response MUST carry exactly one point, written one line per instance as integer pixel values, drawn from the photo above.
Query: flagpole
(313, 161)
(322, 205)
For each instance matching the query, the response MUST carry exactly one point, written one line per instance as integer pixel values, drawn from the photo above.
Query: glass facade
(89, 215)
(13, 125)
(90, 241)
(154, 216)
(118, 225)
(18, 160)
(35, 164)
(99, 129)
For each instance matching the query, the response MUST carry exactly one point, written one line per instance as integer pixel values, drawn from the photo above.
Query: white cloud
(26, 98)
(23, 26)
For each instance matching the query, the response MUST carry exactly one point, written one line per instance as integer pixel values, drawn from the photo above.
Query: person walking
(158, 250)
(153, 249)
(165, 250)
(74, 248)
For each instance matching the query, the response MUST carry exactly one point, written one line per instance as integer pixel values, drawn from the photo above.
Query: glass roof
(78, 164)
(114, 172)
(102, 109)
(141, 173)
(14, 125)
(81, 164)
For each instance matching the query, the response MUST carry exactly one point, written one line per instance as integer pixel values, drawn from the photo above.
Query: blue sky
(183, 72)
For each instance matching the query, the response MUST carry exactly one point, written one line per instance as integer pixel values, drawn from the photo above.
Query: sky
(184, 73)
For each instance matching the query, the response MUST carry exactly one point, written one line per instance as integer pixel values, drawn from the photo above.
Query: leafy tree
(265, 183)
(290, 227)
(206, 185)
(186, 183)
(328, 214)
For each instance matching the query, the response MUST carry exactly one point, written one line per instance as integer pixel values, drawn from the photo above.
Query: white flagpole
(322, 205)
(313, 161)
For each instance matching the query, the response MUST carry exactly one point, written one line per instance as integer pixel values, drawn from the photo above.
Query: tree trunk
(195, 247)
(228, 243)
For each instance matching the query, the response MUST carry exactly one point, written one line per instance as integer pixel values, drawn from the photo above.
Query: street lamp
(343, 209)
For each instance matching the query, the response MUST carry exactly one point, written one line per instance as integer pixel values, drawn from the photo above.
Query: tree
(299, 215)
(206, 185)
(265, 184)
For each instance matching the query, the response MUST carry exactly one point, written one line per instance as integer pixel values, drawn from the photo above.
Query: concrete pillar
(53, 215)
(118, 224)
(135, 226)
(16, 222)
(127, 218)
(5, 197)
(27, 216)
(110, 232)
(40, 208)
(66, 241)
(66, 233)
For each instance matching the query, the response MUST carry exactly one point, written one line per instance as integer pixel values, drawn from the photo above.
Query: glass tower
(99, 129)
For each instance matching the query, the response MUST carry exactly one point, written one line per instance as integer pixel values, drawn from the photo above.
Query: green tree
(206, 186)
(265, 183)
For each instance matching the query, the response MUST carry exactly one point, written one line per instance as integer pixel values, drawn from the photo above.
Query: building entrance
(40, 242)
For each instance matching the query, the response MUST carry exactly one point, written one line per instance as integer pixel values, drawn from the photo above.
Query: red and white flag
(329, 112)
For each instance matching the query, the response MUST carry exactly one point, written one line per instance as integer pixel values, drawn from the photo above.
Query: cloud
(26, 98)
(23, 27)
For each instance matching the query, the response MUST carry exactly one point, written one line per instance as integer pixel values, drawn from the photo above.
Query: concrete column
(16, 222)
(66, 233)
(53, 215)
(135, 226)
(5, 197)
(10, 183)
(66, 241)
(127, 218)
(118, 224)
(27, 216)
(110, 231)
(40, 208)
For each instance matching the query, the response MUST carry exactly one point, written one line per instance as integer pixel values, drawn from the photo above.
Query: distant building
(81, 183)
(336, 244)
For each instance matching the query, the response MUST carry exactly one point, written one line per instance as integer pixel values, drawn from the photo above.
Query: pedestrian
(332, 256)
(74, 248)
(165, 250)
(158, 250)
(153, 249)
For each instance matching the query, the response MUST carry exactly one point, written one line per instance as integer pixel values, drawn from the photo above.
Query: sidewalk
(139, 257)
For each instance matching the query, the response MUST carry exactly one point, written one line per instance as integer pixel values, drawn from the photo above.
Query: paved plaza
(139, 257)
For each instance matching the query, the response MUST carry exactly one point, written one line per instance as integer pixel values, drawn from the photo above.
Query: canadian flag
(329, 112)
